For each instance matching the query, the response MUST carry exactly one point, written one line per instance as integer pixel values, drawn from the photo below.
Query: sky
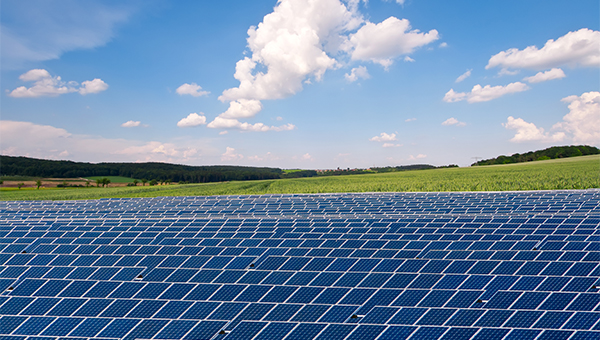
(311, 84)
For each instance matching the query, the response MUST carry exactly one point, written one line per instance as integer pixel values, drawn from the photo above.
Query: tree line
(24, 166)
(539, 155)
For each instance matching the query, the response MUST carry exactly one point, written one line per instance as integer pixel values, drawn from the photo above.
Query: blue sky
(311, 84)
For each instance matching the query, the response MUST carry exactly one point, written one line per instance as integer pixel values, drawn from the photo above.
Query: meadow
(567, 173)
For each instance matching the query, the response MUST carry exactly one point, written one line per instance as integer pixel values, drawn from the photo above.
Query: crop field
(568, 173)
(113, 179)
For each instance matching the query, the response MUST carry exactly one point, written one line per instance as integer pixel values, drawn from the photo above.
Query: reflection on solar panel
(505, 265)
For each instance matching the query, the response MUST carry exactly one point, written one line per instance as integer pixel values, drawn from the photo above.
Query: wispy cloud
(45, 29)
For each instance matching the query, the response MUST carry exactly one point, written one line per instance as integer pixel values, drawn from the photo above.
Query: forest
(24, 166)
(539, 155)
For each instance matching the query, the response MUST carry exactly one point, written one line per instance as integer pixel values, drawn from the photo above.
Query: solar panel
(502, 265)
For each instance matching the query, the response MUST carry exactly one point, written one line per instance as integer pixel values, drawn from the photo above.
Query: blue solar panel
(515, 265)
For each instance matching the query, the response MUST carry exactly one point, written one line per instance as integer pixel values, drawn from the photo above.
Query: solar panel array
(505, 265)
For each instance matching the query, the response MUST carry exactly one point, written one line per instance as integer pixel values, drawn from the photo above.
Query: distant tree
(98, 182)
(144, 181)
(105, 182)
(38, 183)
(87, 183)
(1, 181)
(153, 182)
(65, 184)
(135, 182)
(20, 185)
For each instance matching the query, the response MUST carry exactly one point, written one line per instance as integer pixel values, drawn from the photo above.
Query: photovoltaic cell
(505, 265)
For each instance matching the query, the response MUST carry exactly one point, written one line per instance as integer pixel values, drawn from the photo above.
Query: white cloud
(583, 119)
(443, 45)
(356, 73)
(419, 156)
(228, 123)
(381, 43)
(578, 48)
(131, 123)
(409, 59)
(384, 137)
(463, 76)
(193, 119)
(267, 157)
(192, 89)
(290, 42)
(48, 142)
(484, 94)
(410, 120)
(92, 86)
(224, 132)
(298, 42)
(453, 121)
(391, 145)
(45, 29)
(46, 85)
(231, 155)
(242, 108)
(539, 77)
(529, 132)
(507, 72)
(35, 74)
(307, 157)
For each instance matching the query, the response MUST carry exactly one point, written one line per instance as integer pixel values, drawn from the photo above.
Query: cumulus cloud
(193, 119)
(45, 29)
(529, 132)
(484, 94)
(419, 156)
(381, 43)
(453, 121)
(583, 120)
(463, 76)
(298, 42)
(49, 142)
(131, 123)
(384, 137)
(92, 86)
(579, 48)
(192, 89)
(356, 73)
(35, 74)
(539, 77)
(231, 155)
(581, 124)
(307, 157)
(44, 85)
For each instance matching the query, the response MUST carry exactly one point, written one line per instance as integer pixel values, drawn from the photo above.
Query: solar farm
(463, 265)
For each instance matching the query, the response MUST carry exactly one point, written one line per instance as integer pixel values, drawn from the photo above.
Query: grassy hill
(567, 173)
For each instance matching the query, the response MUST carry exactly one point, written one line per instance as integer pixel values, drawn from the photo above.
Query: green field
(113, 179)
(568, 173)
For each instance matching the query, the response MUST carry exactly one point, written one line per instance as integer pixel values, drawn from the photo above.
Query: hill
(540, 155)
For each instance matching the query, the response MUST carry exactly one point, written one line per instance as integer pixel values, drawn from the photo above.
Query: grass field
(568, 173)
